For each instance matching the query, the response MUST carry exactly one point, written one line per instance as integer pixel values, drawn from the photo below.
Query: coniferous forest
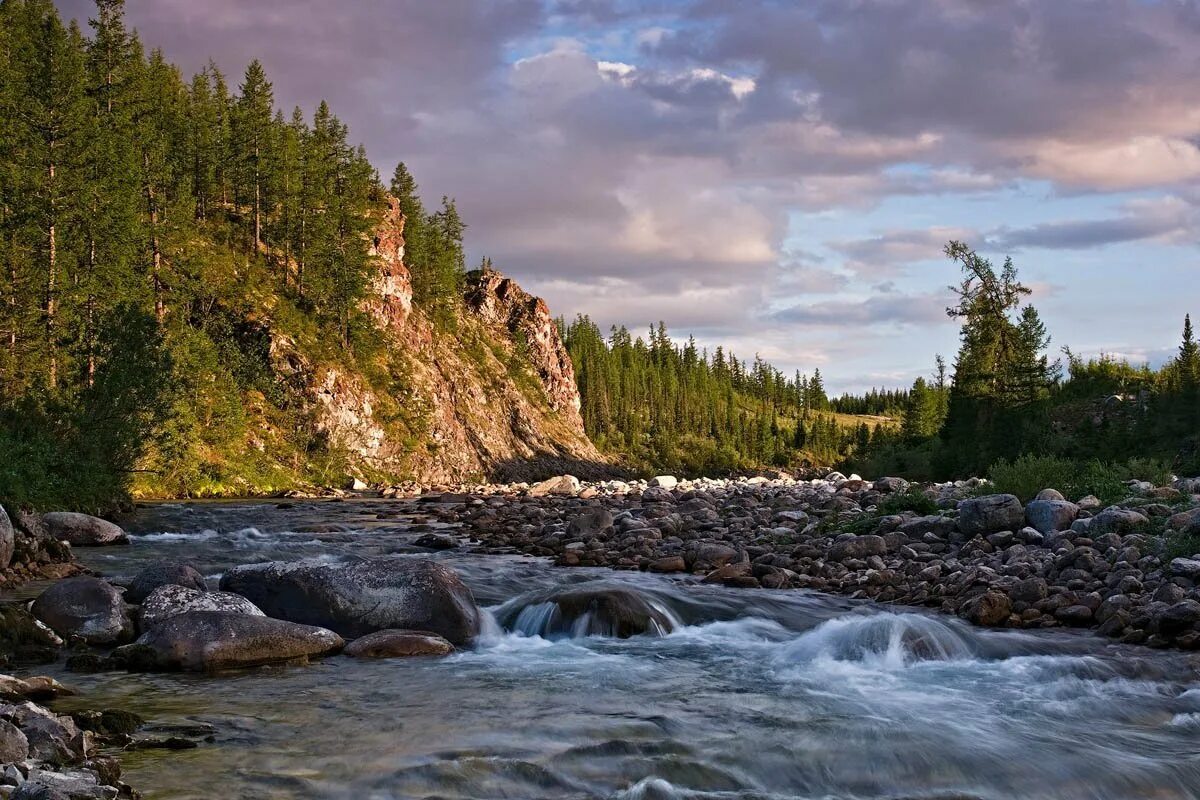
(148, 221)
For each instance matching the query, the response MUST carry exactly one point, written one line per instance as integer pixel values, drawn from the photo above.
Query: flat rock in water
(398, 644)
(362, 597)
(83, 530)
(210, 641)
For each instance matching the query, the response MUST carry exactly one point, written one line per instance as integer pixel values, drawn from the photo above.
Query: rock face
(209, 641)
(83, 530)
(163, 573)
(86, 607)
(398, 644)
(170, 601)
(997, 512)
(495, 397)
(361, 598)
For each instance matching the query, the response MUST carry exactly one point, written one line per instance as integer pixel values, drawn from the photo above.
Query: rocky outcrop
(492, 396)
(28, 552)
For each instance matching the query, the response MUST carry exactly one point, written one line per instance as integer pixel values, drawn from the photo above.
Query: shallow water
(753, 694)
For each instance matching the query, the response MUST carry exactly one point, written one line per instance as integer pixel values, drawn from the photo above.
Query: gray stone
(858, 547)
(562, 485)
(398, 644)
(171, 601)
(1117, 520)
(14, 747)
(210, 641)
(86, 607)
(989, 514)
(1051, 516)
(1186, 568)
(163, 573)
(83, 530)
(362, 597)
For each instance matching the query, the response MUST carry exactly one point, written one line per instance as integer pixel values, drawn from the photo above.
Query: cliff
(491, 397)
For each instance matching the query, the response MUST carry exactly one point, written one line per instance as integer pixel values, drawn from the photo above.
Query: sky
(776, 177)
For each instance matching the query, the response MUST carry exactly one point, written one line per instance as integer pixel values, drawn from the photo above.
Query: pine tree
(253, 145)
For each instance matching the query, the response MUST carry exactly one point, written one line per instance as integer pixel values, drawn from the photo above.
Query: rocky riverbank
(988, 558)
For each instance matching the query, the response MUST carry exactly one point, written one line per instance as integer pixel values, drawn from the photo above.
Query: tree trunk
(155, 251)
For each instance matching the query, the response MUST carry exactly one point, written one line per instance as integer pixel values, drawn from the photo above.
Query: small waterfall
(588, 610)
(887, 640)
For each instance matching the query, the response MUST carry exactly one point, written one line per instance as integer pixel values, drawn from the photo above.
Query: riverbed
(754, 694)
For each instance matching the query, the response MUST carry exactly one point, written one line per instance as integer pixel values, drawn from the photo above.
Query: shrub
(1029, 474)
(912, 499)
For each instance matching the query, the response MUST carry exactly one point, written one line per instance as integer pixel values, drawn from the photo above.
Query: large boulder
(170, 601)
(594, 609)
(1051, 516)
(980, 516)
(86, 607)
(164, 573)
(8, 539)
(991, 608)
(398, 644)
(83, 530)
(362, 597)
(210, 641)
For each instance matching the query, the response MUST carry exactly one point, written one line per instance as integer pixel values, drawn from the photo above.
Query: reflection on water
(754, 694)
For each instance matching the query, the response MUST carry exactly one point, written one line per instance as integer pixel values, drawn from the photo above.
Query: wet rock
(171, 601)
(210, 641)
(990, 609)
(53, 739)
(668, 564)
(1051, 516)
(990, 514)
(1179, 618)
(436, 541)
(598, 609)
(362, 597)
(36, 790)
(163, 573)
(398, 644)
(38, 687)
(86, 607)
(83, 530)
(23, 639)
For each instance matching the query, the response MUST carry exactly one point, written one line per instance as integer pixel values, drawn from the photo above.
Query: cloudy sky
(778, 177)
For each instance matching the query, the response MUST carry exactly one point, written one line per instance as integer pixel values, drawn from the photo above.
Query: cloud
(1169, 219)
(889, 308)
(892, 251)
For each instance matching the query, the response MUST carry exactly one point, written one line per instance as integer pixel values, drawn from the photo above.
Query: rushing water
(753, 694)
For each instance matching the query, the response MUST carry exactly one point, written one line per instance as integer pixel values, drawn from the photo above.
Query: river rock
(14, 747)
(1186, 568)
(210, 641)
(398, 644)
(436, 541)
(599, 609)
(362, 597)
(1186, 522)
(1051, 516)
(53, 739)
(1179, 618)
(86, 607)
(1116, 520)
(171, 601)
(591, 523)
(8, 539)
(567, 485)
(990, 608)
(667, 482)
(164, 573)
(83, 530)
(979, 516)
(858, 547)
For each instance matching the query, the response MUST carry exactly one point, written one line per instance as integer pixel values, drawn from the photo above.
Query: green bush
(1179, 545)
(912, 499)
(1029, 474)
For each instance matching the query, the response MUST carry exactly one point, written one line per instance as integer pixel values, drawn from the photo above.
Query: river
(756, 694)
